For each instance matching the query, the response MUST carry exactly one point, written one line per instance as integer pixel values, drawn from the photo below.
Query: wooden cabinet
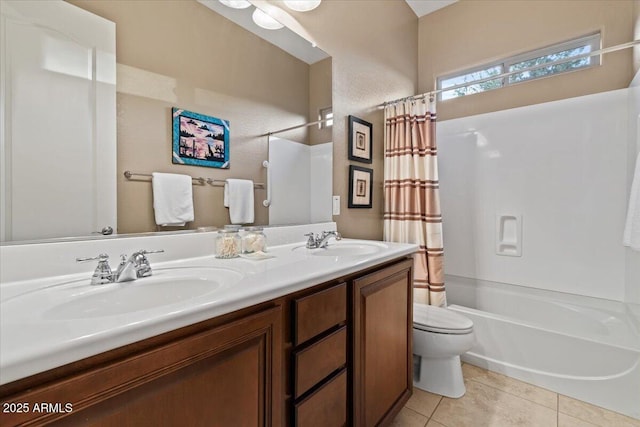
(325, 407)
(359, 373)
(382, 322)
(228, 375)
(337, 354)
(320, 358)
(318, 312)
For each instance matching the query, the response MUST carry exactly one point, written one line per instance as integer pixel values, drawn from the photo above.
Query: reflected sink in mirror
(167, 287)
(344, 249)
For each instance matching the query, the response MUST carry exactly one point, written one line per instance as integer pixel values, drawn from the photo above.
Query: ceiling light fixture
(236, 4)
(302, 5)
(265, 21)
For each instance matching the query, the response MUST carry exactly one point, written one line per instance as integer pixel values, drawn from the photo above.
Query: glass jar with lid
(254, 240)
(228, 243)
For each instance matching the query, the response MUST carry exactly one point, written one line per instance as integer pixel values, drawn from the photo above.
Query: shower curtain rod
(296, 127)
(560, 61)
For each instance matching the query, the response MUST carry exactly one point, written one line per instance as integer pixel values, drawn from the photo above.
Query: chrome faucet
(135, 267)
(321, 240)
(132, 268)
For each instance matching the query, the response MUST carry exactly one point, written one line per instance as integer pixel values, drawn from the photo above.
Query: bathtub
(582, 347)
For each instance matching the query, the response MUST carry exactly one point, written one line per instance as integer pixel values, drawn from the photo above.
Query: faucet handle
(102, 274)
(146, 252)
(100, 258)
(311, 241)
(144, 268)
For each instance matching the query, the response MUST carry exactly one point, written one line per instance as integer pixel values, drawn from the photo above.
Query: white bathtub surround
(585, 348)
(632, 227)
(412, 203)
(562, 166)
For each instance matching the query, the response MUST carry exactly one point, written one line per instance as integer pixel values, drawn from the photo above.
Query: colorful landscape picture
(200, 140)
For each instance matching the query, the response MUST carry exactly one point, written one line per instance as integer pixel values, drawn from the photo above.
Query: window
(326, 114)
(532, 65)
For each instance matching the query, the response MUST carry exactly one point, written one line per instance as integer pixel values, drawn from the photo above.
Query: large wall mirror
(183, 54)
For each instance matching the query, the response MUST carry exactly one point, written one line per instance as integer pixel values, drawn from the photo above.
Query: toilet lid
(436, 319)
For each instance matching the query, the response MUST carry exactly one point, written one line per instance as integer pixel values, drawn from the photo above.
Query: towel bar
(199, 179)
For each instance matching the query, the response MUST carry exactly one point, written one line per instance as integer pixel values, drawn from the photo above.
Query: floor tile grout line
(518, 396)
(579, 416)
(416, 412)
(540, 388)
(511, 378)
(435, 409)
(558, 411)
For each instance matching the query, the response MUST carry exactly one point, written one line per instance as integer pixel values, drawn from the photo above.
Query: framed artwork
(360, 140)
(200, 140)
(360, 187)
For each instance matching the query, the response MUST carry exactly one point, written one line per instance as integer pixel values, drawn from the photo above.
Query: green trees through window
(559, 57)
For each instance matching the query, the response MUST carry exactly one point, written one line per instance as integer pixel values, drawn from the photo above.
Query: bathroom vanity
(307, 338)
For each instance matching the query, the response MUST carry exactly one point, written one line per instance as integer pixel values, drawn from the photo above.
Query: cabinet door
(227, 376)
(382, 344)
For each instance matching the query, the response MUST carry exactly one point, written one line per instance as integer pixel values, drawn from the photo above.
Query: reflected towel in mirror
(238, 197)
(172, 199)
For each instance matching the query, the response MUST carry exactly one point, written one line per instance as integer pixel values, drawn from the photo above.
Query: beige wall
(373, 47)
(470, 33)
(181, 54)
(368, 65)
(379, 52)
(320, 90)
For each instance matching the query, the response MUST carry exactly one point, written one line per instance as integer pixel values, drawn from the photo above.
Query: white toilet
(440, 336)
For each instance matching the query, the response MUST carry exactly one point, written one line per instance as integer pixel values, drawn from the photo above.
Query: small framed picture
(200, 140)
(360, 187)
(360, 140)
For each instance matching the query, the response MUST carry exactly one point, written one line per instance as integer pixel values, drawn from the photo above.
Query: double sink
(50, 321)
(169, 286)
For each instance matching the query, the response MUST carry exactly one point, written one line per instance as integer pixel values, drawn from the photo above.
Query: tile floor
(495, 400)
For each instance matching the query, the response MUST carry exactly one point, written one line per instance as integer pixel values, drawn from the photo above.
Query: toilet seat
(440, 320)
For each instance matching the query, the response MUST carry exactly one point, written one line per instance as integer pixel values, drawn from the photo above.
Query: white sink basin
(167, 287)
(344, 249)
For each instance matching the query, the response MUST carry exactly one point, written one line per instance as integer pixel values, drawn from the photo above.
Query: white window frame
(325, 114)
(593, 40)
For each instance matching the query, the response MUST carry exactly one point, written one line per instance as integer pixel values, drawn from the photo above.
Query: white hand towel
(238, 197)
(632, 229)
(172, 198)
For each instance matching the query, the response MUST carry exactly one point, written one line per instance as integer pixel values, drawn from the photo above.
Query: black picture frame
(360, 187)
(360, 140)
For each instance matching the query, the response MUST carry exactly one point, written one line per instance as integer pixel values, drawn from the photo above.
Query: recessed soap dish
(509, 235)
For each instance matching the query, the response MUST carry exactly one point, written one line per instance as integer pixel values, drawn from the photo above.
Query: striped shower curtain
(412, 202)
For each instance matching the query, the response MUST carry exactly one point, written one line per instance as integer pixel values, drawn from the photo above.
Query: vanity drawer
(327, 407)
(316, 362)
(318, 312)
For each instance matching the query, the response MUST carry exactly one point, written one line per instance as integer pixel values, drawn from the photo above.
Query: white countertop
(31, 341)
